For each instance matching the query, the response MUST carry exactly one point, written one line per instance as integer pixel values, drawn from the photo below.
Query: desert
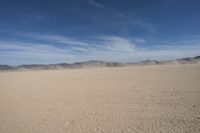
(99, 66)
(132, 99)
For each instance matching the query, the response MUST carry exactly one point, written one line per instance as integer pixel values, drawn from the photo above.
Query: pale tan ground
(102, 100)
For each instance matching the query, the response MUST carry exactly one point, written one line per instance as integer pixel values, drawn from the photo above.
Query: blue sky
(56, 31)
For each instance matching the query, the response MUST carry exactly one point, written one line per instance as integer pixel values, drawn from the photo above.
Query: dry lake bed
(140, 99)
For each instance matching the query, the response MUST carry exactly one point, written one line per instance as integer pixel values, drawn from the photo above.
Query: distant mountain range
(96, 63)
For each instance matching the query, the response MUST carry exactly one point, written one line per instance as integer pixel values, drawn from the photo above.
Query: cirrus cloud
(107, 48)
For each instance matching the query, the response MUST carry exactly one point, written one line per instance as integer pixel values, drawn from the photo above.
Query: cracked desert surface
(140, 99)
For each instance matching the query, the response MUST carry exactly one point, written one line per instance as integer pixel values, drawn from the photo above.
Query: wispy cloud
(59, 39)
(108, 48)
(116, 44)
(96, 4)
(17, 53)
(144, 25)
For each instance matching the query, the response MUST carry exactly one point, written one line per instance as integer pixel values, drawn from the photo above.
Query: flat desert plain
(140, 99)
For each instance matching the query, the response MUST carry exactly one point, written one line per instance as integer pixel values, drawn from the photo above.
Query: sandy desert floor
(144, 99)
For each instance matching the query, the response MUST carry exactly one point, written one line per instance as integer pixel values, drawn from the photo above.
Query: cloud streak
(96, 4)
(59, 39)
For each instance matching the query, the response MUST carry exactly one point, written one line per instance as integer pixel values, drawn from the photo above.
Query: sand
(141, 99)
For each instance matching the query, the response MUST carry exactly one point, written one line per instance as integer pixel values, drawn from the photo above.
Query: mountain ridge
(99, 63)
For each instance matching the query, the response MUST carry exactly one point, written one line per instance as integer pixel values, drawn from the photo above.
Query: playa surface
(140, 99)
